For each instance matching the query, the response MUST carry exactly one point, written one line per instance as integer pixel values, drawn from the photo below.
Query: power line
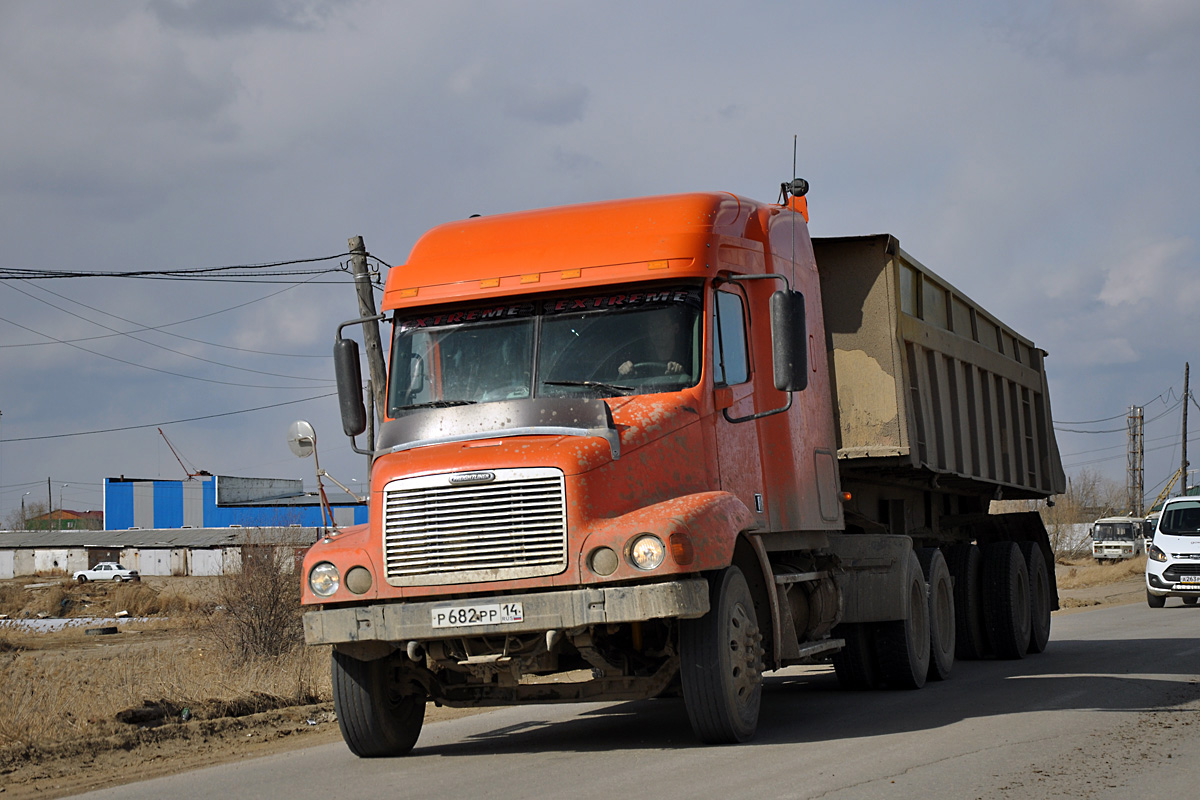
(169, 422)
(155, 344)
(11, 273)
(162, 328)
(156, 369)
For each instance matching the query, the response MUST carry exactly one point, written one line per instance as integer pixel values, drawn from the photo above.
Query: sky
(1041, 156)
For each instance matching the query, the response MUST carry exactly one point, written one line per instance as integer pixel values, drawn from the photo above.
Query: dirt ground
(150, 741)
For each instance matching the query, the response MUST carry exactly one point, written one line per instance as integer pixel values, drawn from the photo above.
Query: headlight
(1156, 554)
(646, 551)
(324, 579)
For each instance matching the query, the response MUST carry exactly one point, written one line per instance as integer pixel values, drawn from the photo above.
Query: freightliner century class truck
(661, 446)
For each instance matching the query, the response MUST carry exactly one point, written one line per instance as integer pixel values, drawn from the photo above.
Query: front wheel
(1154, 600)
(379, 713)
(721, 665)
(1190, 601)
(82, 579)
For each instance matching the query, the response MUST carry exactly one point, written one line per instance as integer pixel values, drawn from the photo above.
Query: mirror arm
(359, 321)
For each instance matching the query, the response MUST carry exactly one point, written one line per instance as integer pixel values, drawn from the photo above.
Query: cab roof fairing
(530, 251)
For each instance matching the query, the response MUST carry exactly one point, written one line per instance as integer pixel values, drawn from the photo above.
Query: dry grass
(68, 686)
(1084, 573)
(50, 696)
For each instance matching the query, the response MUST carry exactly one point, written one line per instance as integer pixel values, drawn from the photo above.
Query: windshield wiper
(437, 404)
(613, 389)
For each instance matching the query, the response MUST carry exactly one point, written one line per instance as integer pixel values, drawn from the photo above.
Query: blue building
(222, 501)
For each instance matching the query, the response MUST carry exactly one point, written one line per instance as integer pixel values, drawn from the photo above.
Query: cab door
(738, 456)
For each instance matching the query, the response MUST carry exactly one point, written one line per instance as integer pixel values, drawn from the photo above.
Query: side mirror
(789, 341)
(349, 385)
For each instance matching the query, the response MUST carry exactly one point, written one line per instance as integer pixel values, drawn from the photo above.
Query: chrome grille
(513, 526)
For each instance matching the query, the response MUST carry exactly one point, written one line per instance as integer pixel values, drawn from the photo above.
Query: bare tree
(1089, 497)
(14, 521)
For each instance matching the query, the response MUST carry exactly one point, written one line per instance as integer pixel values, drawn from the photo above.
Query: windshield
(1180, 518)
(605, 345)
(1109, 530)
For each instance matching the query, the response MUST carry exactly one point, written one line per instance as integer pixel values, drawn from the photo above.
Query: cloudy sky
(1041, 155)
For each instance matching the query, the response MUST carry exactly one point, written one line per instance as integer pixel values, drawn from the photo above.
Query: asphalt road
(1108, 711)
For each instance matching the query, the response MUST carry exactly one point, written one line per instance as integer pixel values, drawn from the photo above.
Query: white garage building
(173, 551)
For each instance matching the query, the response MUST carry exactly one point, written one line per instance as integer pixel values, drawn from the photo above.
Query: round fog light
(324, 579)
(603, 561)
(358, 580)
(646, 551)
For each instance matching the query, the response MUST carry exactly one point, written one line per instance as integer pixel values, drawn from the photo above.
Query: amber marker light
(845, 497)
(681, 549)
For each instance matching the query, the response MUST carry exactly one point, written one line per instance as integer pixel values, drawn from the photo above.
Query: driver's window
(731, 364)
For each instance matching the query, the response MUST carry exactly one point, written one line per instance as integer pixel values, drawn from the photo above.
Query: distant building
(218, 551)
(222, 501)
(66, 520)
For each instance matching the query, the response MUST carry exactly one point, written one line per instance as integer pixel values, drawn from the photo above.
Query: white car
(107, 571)
(1173, 562)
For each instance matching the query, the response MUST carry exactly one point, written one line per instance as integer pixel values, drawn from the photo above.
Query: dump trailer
(665, 445)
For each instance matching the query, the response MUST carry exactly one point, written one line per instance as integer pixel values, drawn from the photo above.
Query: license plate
(482, 614)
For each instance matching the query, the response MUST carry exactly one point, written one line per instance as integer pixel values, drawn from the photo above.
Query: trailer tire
(940, 591)
(902, 645)
(1006, 599)
(721, 663)
(1039, 597)
(970, 631)
(1154, 600)
(378, 715)
(855, 664)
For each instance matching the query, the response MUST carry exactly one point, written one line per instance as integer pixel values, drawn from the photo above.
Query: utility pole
(1135, 422)
(49, 504)
(366, 308)
(1184, 463)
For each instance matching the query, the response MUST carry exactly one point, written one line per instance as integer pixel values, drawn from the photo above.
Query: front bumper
(543, 611)
(1162, 587)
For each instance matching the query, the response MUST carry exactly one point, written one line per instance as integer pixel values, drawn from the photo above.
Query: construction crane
(190, 473)
(1166, 492)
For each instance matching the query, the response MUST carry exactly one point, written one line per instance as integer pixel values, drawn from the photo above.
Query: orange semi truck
(661, 446)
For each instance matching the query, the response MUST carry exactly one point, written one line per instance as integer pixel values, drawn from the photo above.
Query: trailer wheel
(902, 645)
(970, 631)
(378, 715)
(1154, 600)
(1039, 597)
(855, 663)
(941, 612)
(1006, 599)
(721, 663)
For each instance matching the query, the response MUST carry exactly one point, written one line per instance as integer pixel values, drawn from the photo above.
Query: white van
(1173, 562)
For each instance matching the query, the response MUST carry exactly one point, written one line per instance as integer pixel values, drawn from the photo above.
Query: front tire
(82, 579)
(721, 663)
(1190, 601)
(378, 712)
(1154, 600)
